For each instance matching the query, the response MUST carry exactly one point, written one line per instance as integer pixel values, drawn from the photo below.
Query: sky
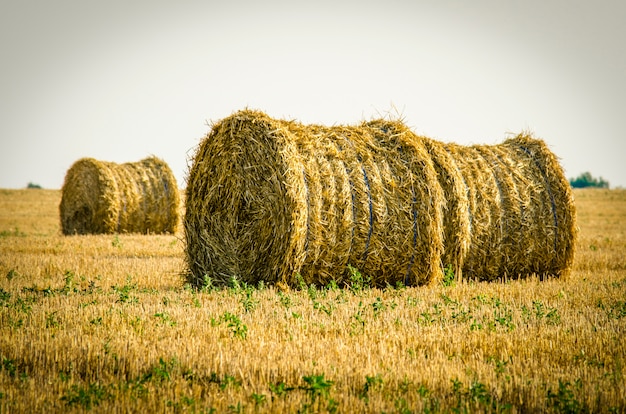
(123, 80)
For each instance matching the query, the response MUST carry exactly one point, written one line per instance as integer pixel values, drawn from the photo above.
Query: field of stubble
(106, 324)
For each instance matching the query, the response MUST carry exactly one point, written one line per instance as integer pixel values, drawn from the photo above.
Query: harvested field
(105, 323)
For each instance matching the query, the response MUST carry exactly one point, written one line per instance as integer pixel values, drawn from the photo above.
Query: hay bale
(105, 197)
(549, 209)
(271, 199)
(521, 211)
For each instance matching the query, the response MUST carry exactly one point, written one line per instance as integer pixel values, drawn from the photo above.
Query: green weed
(15, 232)
(160, 372)
(371, 383)
(4, 297)
(124, 292)
(358, 282)
(318, 389)
(563, 399)
(86, 397)
(116, 242)
(165, 319)
(238, 329)
(448, 276)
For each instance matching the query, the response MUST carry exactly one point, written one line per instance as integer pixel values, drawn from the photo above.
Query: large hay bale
(548, 209)
(271, 199)
(105, 197)
(520, 210)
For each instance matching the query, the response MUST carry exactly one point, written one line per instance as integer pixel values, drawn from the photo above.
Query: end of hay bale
(244, 214)
(553, 206)
(86, 201)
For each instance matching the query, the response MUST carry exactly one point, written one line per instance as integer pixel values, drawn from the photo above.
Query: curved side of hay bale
(161, 198)
(104, 197)
(481, 260)
(415, 201)
(507, 234)
(271, 199)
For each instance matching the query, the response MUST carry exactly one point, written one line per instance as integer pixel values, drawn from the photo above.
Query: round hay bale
(105, 197)
(269, 200)
(550, 209)
(275, 201)
(521, 212)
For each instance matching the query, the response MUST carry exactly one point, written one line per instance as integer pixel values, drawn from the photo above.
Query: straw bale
(521, 213)
(271, 199)
(105, 197)
(550, 211)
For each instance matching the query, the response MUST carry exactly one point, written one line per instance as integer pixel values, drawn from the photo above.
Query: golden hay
(521, 212)
(550, 209)
(484, 212)
(105, 197)
(273, 200)
(457, 218)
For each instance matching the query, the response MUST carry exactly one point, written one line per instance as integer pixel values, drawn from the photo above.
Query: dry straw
(105, 197)
(273, 200)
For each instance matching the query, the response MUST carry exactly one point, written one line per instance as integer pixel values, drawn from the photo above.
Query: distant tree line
(33, 185)
(587, 180)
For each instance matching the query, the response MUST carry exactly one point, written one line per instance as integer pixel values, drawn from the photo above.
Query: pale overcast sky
(122, 80)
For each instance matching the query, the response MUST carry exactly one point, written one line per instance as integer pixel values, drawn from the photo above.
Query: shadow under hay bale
(105, 197)
(271, 200)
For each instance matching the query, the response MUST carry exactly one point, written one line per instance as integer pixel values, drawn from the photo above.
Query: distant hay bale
(270, 199)
(105, 197)
(273, 200)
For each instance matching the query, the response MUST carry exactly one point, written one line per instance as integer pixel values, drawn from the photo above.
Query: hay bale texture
(268, 200)
(105, 197)
(271, 199)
